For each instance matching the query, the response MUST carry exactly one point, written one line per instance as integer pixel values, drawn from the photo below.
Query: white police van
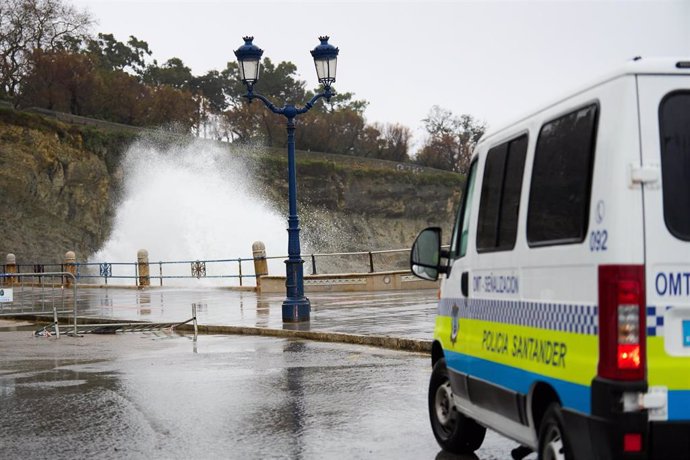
(564, 313)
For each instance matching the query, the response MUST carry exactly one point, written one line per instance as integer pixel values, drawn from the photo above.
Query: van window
(500, 198)
(558, 210)
(462, 225)
(674, 129)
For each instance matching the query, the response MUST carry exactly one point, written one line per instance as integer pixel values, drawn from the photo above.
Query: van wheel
(453, 431)
(553, 442)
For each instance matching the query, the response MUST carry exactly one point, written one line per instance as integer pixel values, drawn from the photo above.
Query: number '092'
(597, 240)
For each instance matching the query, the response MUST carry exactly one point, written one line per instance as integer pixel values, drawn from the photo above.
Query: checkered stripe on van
(580, 319)
(655, 320)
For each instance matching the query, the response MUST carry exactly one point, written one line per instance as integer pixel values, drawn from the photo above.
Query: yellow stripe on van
(563, 355)
(665, 370)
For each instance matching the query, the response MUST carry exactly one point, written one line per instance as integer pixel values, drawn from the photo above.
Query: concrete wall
(351, 282)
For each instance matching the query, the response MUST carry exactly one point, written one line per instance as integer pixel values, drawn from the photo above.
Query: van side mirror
(426, 253)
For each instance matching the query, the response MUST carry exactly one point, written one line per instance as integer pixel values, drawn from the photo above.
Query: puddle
(53, 384)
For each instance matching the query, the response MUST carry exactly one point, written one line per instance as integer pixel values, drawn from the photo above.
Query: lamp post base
(296, 310)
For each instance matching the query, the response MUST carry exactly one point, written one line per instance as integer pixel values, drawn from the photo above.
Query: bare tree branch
(28, 25)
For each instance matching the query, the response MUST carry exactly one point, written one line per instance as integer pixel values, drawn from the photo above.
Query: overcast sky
(492, 59)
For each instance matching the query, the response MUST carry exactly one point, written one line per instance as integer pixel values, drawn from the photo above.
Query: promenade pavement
(392, 319)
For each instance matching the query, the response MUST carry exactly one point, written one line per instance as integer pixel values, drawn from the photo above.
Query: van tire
(453, 431)
(553, 442)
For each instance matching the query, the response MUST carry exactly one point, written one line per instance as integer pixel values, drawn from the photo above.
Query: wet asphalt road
(163, 395)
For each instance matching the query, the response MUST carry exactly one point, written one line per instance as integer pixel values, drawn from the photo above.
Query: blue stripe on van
(679, 405)
(572, 395)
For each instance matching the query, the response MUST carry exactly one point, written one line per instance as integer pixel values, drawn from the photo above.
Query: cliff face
(59, 188)
(55, 193)
(354, 204)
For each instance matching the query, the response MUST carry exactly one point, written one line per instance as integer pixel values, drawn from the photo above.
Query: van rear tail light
(628, 335)
(622, 322)
(629, 356)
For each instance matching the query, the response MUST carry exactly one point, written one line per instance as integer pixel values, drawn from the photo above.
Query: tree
(332, 126)
(396, 142)
(61, 81)
(254, 122)
(384, 141)
(335, 126)
(439, 152)
(114, 55)
(172, 73)
(172, 107)
(28, 25)
(124, 99)
(212, 87)
(370, 142)
(451, 140)
(334, 132)
(210, 95)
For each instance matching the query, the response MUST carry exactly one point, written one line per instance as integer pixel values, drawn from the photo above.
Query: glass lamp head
(326, 59)
(249, 60)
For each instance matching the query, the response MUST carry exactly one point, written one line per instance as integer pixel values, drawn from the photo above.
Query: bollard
(11, 267)
(70, 266)
(260, 262)
(143, 265)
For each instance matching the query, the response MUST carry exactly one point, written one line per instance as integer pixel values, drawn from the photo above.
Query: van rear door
(664, 175)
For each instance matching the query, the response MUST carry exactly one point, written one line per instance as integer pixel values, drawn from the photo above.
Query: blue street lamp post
(296, 306)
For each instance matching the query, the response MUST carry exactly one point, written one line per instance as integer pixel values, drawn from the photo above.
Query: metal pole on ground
(55, 322)
(74, 301)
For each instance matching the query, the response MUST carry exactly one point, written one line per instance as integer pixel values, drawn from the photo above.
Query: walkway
(406, 315)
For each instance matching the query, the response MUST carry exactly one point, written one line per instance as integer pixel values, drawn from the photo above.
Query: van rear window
(674, 130)
(562, 179)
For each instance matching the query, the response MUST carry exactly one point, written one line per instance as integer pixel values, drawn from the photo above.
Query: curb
(393, 343)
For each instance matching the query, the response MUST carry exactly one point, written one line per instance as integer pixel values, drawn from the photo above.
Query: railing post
(196, 331)
(160, 272)
(260, 263)
(313, 265)
(239, 262)
(11, 267)
(371, 263)
(70, 267)
(55, 322)
(74, 306)
(143, 268)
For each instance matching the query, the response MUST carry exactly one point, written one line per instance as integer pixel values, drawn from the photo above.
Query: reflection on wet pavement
(151, 396)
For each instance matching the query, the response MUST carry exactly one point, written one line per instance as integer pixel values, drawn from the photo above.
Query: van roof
(636, 66)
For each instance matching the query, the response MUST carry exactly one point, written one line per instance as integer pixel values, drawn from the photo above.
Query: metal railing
(239, 269)
(106, 271)
(197, 270)
(363, 261)
(31, 298)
